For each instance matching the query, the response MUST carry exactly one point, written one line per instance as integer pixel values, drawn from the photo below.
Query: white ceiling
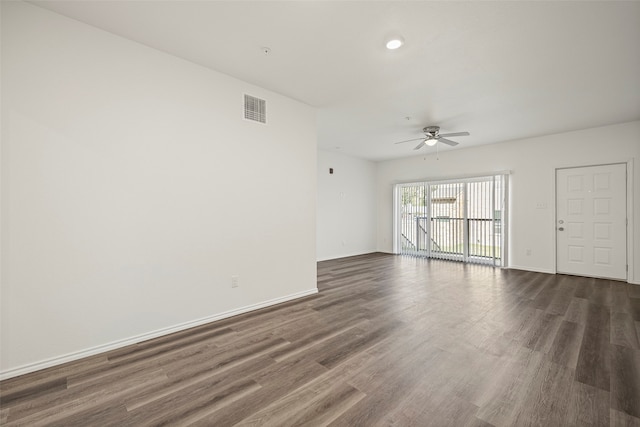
(500, 70)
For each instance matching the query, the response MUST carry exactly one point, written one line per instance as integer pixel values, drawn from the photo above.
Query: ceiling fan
(432, 136)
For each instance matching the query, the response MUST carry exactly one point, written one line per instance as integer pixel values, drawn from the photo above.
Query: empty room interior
(345, 213)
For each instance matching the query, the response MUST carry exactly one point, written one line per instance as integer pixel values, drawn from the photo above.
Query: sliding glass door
(461, 220)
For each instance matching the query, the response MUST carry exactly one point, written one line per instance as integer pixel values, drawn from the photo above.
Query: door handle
(560, 228)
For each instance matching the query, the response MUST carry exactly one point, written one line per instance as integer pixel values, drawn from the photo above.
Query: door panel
(591, 221)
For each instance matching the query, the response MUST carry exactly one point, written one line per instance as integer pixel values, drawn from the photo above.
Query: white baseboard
(347, 255)
(59, 360)
(535, 270)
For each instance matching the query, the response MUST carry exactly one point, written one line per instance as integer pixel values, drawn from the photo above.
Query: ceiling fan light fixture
(432, 136)
(394, 43)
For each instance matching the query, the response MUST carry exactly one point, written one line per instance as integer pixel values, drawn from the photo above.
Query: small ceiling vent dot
(255, 109)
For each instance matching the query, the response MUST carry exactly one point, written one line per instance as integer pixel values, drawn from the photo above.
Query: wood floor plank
(634, 306)
(313, 340)
(306, 407)
(506, 396)
(623, 330)
(602, 294)
(585, 287)
(588, 406)
(30, 391)
(179, 343)
(564, 292)
(578, 311)
(443, 410)
(176, 384)
(620, 298)
(625, 380)
(108, 415)
(387, 341)
(191, 404)
(282, 383)
(547, 398)
(566, 345)
(223, 359)
(594, 364)
(90, 395)
(55, 408)
(385, 383)
(548, 286)
(620, 419)
(633, 290)
(346, 349)
(541, 335)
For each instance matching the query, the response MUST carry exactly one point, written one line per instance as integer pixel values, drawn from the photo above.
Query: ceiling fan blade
(409, 140)
(419, 146)
(456, 134)
(447, 141)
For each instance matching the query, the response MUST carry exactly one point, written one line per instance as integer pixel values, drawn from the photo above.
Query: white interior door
(591, 221)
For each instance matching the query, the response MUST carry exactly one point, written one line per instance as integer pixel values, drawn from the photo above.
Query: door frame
(630, 241)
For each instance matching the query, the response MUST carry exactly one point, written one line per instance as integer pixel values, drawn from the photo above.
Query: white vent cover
(255, 109)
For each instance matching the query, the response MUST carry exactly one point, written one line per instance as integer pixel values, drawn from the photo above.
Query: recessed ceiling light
(395, 43)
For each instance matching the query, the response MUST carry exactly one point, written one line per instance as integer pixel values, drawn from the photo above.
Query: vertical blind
(461, 220)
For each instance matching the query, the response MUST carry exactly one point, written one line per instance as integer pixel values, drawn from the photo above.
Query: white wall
(346, 218)
(132, 190)
(533, 162)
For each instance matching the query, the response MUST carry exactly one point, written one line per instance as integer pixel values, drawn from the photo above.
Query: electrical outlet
(235, 281)
(528, 251)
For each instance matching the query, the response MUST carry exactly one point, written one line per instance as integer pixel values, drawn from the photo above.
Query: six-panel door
(591, 221)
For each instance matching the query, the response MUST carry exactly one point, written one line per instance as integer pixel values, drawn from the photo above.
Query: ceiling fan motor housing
(431, 129)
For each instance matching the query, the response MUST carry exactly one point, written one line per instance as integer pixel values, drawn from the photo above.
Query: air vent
(255, 109)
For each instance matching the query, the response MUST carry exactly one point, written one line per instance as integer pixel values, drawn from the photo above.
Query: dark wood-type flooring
(388, 341)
